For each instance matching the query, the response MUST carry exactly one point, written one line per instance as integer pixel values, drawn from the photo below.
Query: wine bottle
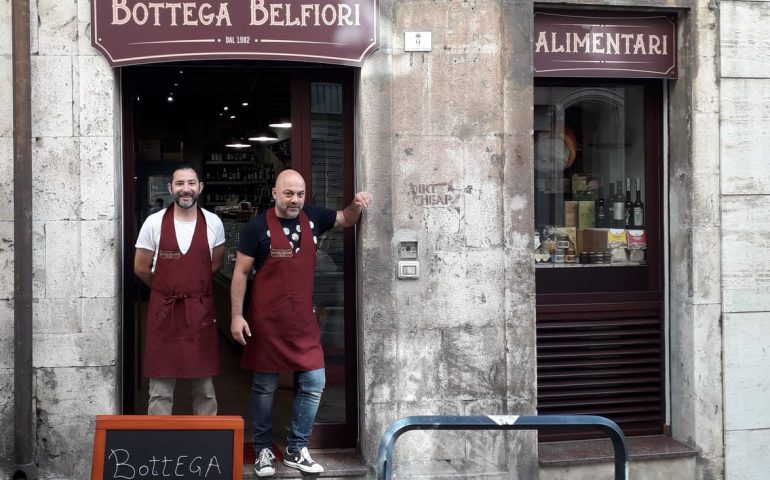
(628, 207)
(618, 212)
(601, 217)
(611, 207)
(638, 206)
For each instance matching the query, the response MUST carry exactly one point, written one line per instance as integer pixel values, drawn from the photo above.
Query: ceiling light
(226, 109)
(237, 144)
(170, 99)
(280, 125)
(245, 104)
(263, 137)
(232, 117)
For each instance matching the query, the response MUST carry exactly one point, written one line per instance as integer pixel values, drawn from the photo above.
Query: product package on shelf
(570, 213)
(586, 214)
(637, 244)
(568, 237)
(541, 254)
(617, 242)
(592, 239)
(547, 245)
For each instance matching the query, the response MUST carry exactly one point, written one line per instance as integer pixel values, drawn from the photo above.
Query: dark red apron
(181, 331)
(284, 331)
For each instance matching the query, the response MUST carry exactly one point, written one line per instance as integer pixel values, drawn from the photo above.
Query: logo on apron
(169, 254)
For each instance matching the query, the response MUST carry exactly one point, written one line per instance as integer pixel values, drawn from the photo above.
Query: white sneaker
(263, 465)
(301, 460)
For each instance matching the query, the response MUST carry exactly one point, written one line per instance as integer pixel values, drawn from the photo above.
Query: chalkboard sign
(137, 447)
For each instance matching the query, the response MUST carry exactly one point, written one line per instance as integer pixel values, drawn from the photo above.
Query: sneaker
(263, 465)
(301, 460)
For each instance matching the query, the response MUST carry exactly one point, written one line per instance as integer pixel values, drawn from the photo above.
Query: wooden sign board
(180, 447)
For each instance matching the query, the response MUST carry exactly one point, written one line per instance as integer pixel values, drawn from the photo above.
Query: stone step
(655, 457)
(341, 464)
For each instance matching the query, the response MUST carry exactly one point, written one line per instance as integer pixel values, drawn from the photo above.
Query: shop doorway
(239, 124)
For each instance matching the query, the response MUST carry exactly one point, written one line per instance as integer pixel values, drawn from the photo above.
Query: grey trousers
(204, 399)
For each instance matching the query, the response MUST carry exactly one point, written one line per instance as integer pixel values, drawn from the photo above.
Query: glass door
(324, 156)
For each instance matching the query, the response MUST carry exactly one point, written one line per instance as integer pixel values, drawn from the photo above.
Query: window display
(589, 176)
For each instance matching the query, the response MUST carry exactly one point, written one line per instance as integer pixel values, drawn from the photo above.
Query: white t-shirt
(149, 234)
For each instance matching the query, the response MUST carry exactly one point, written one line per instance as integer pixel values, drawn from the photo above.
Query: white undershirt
(149, 234)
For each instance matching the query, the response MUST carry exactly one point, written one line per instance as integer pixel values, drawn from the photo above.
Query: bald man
(282, 334)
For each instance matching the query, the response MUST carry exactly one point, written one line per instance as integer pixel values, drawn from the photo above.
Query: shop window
(598, 162)
(589, 177)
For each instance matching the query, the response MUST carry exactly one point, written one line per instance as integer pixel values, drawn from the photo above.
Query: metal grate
(601, 360)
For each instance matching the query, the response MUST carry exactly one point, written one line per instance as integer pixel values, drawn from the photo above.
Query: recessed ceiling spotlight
(245, 104)
(232, 116)
(226, 108)
(170, 99)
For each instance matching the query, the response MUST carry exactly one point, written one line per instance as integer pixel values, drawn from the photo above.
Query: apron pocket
(282, 318)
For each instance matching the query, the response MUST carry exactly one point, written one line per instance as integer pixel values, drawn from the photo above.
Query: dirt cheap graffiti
(433, 194)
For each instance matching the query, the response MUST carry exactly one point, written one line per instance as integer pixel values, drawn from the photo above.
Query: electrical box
(408, 265)
(408, 269)
(407, 250)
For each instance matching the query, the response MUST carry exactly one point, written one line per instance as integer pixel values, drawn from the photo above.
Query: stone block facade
(744, 197)
(75, 288)
(443, 140)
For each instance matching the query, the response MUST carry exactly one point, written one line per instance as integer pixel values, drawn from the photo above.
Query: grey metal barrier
(500, 422)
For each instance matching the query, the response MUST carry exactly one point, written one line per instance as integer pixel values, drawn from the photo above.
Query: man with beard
(177, 252)
(282, 333)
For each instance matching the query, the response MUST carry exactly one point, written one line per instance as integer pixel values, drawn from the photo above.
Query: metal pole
(509, 422)
(24, 427)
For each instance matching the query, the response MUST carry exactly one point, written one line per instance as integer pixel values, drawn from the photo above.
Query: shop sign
(589, 44)
(131, 32)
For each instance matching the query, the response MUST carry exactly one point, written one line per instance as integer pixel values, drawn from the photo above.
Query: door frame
(344, 435)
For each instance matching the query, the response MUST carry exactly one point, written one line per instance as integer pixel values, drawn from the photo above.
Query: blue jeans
(307, 395)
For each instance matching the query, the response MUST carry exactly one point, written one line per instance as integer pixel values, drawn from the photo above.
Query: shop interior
(239, 125)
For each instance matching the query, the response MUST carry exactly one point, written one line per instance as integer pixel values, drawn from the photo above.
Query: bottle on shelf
(601, 216)
(618, 212)
(611, 206)
(638, 206)
(628, 207)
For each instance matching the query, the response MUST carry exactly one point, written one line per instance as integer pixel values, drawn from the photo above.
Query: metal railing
(500, 422)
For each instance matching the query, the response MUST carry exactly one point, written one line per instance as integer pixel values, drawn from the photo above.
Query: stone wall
(695, 312)
(745, 195)
(74, 237)
(444, 144)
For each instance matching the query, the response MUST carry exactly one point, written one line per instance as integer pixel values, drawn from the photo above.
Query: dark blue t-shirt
(254, 239)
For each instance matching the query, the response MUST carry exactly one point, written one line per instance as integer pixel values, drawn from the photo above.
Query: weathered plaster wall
(74, 252)
(745, 189)
(444, 145)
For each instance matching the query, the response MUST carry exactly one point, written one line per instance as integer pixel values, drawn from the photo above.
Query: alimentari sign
(144, 31)
(588, 44)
